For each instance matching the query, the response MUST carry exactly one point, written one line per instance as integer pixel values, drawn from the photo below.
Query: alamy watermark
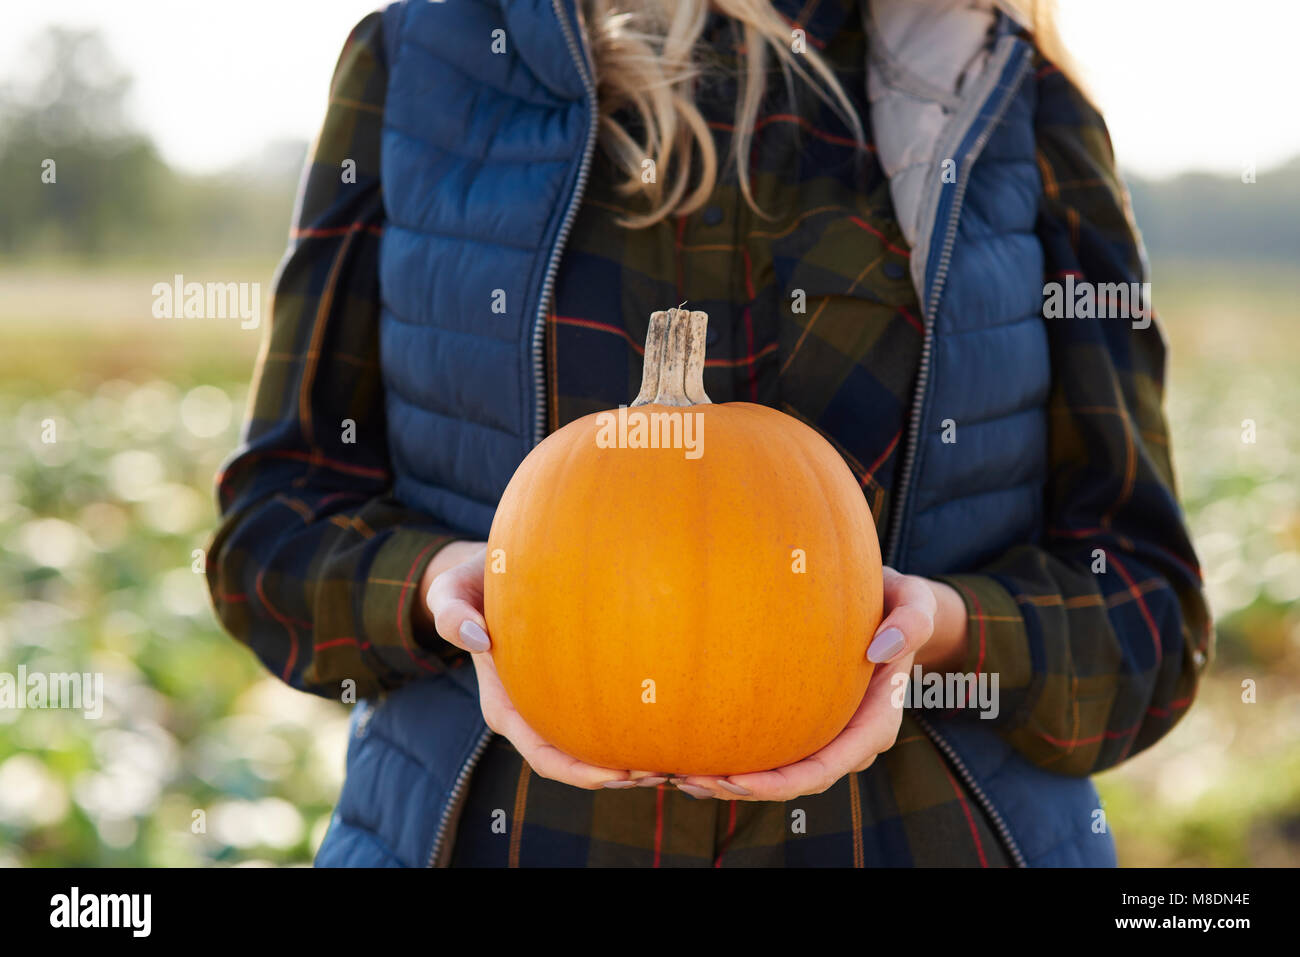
(951, 691)
(1092, 300)
(179, 299)
(74, 690)
(131, 912)
(635, 429)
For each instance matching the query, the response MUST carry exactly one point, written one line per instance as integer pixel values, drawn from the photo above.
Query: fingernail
(886, 645)
(695, 792)
(650, 782)
(475, 638)
(620, 784)
(734, 788)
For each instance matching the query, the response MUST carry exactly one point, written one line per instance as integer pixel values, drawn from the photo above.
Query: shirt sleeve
(315, 566)
(1099, 634)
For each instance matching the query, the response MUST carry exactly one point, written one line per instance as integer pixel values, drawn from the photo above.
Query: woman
(868, 199)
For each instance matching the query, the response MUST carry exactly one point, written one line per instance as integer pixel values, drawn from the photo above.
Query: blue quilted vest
(484, 162)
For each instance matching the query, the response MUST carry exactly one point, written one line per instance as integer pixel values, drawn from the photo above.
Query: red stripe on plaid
(681, 264)
(623, 334)
(335, 231)
(749, 325)
(855, 821)
(1113, 735)
(335, 496)
(863, 224)
(314, 458)
(321, 319)
(1076, 532)
(1142, 605)
(743, 360)
(1072, 743)
(970, 819)
(1175, 705)
(731, 832)
(283, 620)
(884, 457)
(601, 327)
(334, 642)
(403, 617)
(659, 822)
(979, 614)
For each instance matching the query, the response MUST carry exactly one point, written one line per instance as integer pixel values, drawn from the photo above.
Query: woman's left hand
(924, 623)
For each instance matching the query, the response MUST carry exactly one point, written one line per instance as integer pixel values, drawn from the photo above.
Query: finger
(909, 622)
(708, 785)
(700, 786)
(882, 709)
(808, 776)
(900, 589)
(544, 758)
(455, 601)
(647, 779)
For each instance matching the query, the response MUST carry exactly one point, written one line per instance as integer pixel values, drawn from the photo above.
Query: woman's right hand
(453, 590)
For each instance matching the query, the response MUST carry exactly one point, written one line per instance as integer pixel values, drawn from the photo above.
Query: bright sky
(1185, 84)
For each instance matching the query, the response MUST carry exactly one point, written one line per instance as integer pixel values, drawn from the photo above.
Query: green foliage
(99, 529)
(1223, 788)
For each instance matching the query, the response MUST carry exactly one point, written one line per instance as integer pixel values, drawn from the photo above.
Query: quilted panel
(480, 156)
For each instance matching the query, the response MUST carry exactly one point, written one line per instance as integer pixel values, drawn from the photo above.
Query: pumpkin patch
(681, 586)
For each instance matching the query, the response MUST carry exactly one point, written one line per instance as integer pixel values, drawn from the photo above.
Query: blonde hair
(645, 53)
(1039, 17)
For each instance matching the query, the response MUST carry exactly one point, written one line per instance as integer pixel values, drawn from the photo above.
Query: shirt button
(714, 333)
(712, 215)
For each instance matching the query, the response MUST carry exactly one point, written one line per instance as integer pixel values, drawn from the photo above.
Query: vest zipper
(932, 308)
(915, 424)
(456, 795)
(959, 766)
(553, 265)
(364, 719)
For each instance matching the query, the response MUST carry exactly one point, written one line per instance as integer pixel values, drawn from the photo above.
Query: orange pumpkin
(680, 586)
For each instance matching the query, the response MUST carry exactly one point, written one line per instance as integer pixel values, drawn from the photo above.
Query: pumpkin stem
(674, 359)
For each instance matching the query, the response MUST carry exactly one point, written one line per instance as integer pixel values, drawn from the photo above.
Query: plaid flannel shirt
(315, 565)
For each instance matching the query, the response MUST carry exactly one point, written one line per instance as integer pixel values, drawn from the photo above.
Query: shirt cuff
(391, 595)
(997, 640)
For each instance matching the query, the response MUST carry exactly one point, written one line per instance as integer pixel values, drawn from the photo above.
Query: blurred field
(99, 529)
(1224, 787)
